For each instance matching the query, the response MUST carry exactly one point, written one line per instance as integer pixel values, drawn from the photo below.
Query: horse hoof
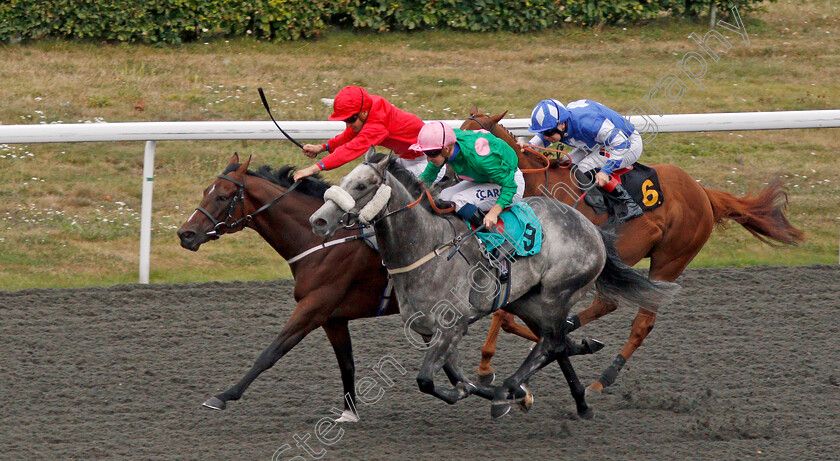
(526, 402)
(592, 345)
(591, 393)
(467, 388)
(347, 416)
(499, 409)
(214, 403)
(487, 380)
(587, 414)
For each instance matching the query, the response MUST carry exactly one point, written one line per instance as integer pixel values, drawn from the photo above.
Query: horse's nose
(187, 239)
(319, 223)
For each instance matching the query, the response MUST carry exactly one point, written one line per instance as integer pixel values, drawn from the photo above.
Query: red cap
(350, 101)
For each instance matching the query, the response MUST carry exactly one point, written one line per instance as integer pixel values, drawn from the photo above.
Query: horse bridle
(237, 198)
(345, 218)
(472, 117)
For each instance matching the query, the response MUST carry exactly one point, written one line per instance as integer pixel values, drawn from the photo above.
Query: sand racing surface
(745, 364)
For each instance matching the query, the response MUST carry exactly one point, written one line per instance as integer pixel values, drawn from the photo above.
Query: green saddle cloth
(519, 226)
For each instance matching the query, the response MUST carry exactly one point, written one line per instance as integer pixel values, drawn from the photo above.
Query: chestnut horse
(670, 235)
(332, 286)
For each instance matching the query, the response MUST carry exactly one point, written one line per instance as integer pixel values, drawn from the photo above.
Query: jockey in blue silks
(602, 139)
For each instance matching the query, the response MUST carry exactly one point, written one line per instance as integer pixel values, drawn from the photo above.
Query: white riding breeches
(482, 195)
(588, 160)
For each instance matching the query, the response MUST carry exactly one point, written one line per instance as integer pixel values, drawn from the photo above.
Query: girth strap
(386, 298)
(504, 281)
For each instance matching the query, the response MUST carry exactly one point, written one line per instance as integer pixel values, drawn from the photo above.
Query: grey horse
(439, 297)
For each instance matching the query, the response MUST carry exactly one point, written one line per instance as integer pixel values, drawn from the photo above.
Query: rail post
(146, 210)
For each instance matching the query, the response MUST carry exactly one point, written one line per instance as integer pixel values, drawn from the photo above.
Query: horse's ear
(234, 159)
(384, 162)
(473, 110)
(244, 167)
(370, 153)
(498, 117)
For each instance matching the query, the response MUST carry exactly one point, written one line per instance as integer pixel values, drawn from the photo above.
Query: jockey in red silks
(371, 121)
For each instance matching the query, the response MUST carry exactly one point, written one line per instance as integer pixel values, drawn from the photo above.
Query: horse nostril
(320, 222)
(186, 235)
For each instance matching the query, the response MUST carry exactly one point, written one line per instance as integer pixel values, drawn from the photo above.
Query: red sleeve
(343, 138)
(353, 145)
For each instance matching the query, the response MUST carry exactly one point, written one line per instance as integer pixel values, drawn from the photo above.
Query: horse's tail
(619, 281)
(763, 214)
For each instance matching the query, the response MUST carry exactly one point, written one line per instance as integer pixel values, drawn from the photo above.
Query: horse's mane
(499, 124)
(313, 186)
(509, 133)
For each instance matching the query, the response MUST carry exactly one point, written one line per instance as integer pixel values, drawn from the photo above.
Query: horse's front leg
(339, 336)
(437, 355)
(310, 313)
(486, 374)
(456, 375)
(541, 355)
(507, 322)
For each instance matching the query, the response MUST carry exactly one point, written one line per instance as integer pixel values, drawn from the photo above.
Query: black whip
(265, 103)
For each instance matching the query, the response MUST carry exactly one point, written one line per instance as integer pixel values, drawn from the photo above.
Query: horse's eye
(360, 187)
(222, 198)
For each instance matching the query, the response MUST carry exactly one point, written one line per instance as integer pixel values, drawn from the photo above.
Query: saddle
(640, 181)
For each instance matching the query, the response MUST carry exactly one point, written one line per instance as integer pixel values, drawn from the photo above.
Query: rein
(541, 156)
(455, 244)
(239, 197)
(532, 148)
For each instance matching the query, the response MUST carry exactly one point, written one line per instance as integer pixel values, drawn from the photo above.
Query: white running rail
(151, 132)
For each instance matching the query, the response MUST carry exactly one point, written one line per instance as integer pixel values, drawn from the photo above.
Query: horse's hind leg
(578, 392)
(596, 310)
(631, 251)
(645, 320)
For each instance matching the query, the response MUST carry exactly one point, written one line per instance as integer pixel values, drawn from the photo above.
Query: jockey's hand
(602, 179)
(522, 144)
(311, 150)
(492, 217)
(308, 171)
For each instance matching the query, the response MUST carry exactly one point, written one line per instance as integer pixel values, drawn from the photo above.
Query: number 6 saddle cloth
(518, 225)
(641, 182)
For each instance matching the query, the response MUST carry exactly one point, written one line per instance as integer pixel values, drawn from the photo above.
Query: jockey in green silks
(488, 167)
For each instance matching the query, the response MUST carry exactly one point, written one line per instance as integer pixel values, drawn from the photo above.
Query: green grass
(77, 222)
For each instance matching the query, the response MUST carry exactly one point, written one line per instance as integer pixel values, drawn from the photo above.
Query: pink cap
(433, 136)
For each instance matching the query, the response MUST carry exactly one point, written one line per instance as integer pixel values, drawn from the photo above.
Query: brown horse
(671, 235)
(332, 285)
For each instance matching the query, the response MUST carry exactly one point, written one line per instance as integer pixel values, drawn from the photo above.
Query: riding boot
(472, 215)
(628, 209)
(585, 179)
(476, 219)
